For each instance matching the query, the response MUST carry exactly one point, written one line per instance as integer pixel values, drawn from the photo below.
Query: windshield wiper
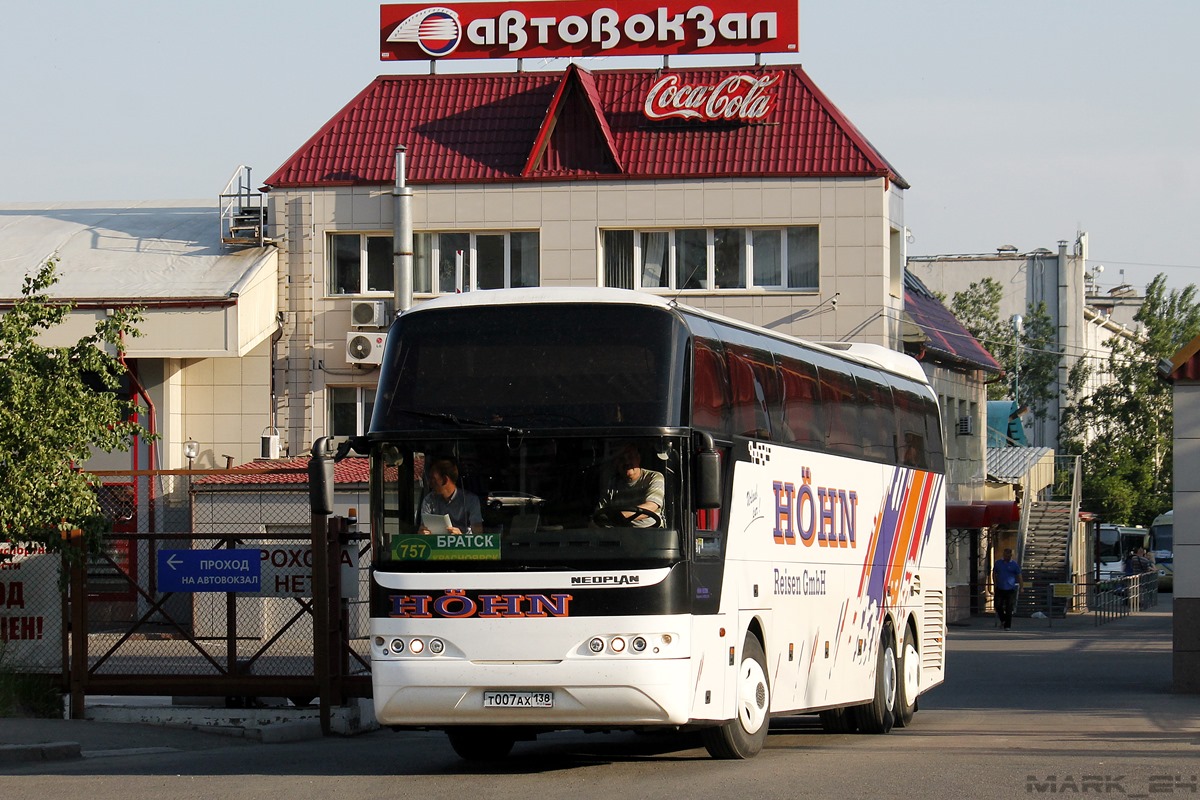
(463, 422)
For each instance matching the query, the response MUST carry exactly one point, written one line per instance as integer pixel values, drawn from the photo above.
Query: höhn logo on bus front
(818, 515)
(457, 604)
(525, 28)
(737, 97)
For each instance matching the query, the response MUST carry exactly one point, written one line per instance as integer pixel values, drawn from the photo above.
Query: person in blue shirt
(1006, 580)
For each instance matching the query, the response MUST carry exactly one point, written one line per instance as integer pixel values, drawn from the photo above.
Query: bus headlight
(436, 646)
(617, 644)
(596, 645)
(638, 645)
(416, 647)
(397, 645)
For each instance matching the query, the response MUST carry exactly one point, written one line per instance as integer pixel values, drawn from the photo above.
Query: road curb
(44, 751)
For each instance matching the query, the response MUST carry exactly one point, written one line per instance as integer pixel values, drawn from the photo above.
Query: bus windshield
(534, 367)
(526, 502)
(1162, 533)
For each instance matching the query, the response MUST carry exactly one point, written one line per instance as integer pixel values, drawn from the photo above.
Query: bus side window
(934, 449)
(911, 428)
(877, 420)
(709, 386)
(754, 390)
(802, 421)
(840, 403)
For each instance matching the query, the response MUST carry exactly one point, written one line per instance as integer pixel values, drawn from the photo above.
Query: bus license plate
(518, 699)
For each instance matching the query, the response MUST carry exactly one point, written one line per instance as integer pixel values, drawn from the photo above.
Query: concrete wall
(1042, 276)
(223, 404)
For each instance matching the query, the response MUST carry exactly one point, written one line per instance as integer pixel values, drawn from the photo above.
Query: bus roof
(871, 355)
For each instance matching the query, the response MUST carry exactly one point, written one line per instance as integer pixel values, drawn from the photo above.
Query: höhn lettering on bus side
(456, 604)
(820, 515)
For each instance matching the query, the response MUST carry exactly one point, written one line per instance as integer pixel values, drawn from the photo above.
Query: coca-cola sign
(735, 98)
(570, 28)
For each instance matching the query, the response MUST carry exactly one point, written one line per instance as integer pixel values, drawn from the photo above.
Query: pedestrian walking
(1006, 580)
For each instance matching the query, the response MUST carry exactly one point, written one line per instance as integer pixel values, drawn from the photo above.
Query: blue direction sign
(209, 570)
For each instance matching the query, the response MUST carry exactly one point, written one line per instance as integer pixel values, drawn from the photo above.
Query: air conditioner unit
(365, 347)
(270, 446)
(370, 313)
(966, 426)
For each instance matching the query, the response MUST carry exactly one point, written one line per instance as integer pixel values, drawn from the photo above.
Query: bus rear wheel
(909, 684)
(744, 735)
(879, 715)
(480, 743)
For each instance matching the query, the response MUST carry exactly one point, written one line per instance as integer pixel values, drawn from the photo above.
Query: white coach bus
(794, 562)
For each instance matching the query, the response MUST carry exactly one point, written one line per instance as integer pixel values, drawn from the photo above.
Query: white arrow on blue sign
(209, 570)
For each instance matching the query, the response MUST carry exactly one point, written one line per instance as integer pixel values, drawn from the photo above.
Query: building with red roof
(741, 190)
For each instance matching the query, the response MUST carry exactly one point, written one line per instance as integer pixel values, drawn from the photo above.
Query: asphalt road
(1071, 709)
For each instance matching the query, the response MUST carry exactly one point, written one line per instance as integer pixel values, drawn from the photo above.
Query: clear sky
(1015, 121)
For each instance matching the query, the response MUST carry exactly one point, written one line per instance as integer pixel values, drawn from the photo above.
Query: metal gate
(300, 633)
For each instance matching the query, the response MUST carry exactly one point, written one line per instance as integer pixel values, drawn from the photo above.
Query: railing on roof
(243, 212)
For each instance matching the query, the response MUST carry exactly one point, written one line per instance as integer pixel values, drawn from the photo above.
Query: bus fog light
(397, 645)
(666, 638)
(638, 644)
(617, 644)
(416, 646)
(379, 641)
(596, 645)
(436, 646)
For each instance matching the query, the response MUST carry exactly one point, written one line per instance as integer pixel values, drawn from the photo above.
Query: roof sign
(543, 29)
(736, 98)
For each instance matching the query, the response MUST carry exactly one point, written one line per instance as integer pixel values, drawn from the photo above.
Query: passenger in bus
(634, 496)
(447, 498)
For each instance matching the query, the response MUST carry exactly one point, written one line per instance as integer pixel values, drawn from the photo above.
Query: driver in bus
(446, 498)
(632, 492)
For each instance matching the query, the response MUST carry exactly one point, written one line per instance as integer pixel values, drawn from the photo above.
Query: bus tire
(838, 720)
(879, 715)
(744, 735)
(908, 685)
(480, 743)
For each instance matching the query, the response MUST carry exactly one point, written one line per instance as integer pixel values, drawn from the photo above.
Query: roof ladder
(243, 212)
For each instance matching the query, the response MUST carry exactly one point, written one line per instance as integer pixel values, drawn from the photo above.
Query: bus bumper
(587, 693)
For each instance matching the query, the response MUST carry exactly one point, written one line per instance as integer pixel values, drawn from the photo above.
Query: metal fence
(1120, 597)
(1103, 601)
(140, 618)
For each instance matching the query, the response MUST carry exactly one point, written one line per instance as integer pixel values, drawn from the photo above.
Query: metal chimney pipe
(402, 237)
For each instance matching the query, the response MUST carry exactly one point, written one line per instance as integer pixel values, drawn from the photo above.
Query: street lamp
(191, 449)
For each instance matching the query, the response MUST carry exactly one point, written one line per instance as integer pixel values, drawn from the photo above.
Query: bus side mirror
(320, 477)
(706, 473)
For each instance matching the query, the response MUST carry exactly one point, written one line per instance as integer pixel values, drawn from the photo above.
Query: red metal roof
(944, 335)
(289, 471)
(577, 124)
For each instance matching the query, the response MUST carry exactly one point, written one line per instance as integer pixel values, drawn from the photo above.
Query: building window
(350, 409)
(713, 258)
(452, 261)
(360, 263)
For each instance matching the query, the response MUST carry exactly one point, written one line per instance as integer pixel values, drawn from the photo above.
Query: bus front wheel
(744, 735)
(879, 715)
(481, 744)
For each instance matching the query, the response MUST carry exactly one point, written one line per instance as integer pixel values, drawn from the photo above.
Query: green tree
(58, 405)
(1123, 428)
(1029, 357)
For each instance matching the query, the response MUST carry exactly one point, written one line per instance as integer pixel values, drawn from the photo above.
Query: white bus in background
(797, 564)
(1162, 543)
